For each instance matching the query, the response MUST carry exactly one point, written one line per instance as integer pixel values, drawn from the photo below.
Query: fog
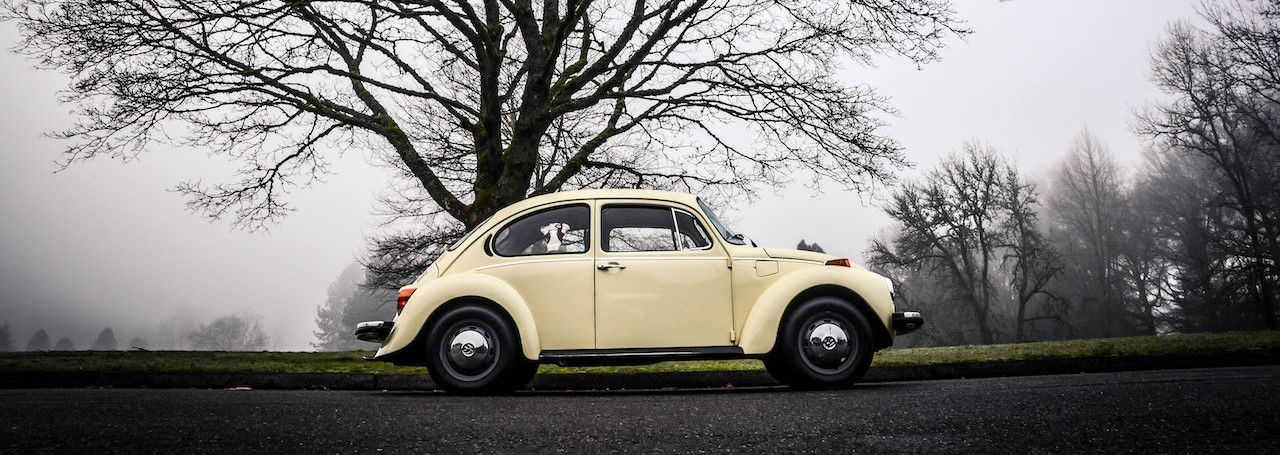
(106, 244)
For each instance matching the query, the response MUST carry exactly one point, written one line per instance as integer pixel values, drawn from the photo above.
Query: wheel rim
(470, 350)
(825, 343)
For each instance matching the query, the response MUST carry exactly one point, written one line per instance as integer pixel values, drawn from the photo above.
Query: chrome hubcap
(470, 348)
(826, 343)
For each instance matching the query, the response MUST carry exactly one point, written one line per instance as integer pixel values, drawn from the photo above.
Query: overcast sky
(105, 244)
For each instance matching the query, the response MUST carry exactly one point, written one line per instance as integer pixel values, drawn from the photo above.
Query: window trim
(492, 241)
(698, 224)
(675, 226)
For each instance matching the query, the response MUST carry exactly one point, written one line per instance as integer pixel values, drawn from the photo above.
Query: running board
(638, 356)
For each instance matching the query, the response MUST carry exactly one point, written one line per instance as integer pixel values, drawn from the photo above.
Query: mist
(105, 243)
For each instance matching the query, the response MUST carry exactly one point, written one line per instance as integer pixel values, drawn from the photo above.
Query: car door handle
(611, 265)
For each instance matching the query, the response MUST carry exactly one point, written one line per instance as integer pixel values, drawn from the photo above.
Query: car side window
(649, 228)
(557, 230)
(690, 232)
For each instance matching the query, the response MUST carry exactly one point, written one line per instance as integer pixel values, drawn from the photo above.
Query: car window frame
(698, 224)
(491, 243)
(675, 226)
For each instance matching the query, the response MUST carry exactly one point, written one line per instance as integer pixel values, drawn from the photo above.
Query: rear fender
(427, 300)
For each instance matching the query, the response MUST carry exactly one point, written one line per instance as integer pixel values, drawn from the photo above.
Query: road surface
(1233, 410)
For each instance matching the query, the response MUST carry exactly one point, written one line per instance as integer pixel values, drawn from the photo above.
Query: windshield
(728, 235)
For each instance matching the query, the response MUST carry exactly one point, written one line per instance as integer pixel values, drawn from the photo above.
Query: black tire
(823, 343)
(521, 373)
(474, 350)
(774, 364)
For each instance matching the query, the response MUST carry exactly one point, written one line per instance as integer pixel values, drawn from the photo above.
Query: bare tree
(1226, 111)
(1178, 194)
(1032, 262)
(925, 289)
(1086, 200)
(962, 224)
(230, 333)
(480, 103)
(1141, 266)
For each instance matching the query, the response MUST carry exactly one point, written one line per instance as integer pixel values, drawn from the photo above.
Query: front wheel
(472, 349)
(823, 343)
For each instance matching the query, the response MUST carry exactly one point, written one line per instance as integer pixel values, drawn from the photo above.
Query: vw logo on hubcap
(829, 343)
(470, 348)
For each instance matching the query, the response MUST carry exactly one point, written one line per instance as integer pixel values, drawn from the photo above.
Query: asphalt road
(1233, 410)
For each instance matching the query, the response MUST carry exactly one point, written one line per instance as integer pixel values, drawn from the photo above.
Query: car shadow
(673, 390)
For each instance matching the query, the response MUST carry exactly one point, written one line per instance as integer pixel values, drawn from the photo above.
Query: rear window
(558, 230)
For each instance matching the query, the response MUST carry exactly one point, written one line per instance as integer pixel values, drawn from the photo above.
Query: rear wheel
(823, 343)
(473, 349)
(521, 373)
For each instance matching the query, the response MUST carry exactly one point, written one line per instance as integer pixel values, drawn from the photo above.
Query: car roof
(583, 195)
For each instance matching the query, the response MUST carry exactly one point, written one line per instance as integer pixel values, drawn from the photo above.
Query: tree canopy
(478, 104)
(1223, 84)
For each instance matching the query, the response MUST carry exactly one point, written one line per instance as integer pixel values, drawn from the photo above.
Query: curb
(637, 381)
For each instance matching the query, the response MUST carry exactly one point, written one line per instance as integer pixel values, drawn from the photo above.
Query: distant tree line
(236, 332)
(1189, 242)
(814, 247)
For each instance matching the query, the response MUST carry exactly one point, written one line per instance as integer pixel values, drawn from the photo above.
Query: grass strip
(352, 362)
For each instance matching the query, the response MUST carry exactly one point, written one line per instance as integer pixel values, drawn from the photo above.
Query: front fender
(760, 330)
(437, 292)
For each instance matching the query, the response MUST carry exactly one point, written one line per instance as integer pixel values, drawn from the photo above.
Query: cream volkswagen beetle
(632, 276)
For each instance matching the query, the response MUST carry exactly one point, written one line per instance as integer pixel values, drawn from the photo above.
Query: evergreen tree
(39, 341)
(106, 341)
(349, 304)
(802, 246)
(6, 339)
(64, 344)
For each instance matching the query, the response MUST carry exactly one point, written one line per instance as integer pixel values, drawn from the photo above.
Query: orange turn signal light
(403, 298)
(842, 262)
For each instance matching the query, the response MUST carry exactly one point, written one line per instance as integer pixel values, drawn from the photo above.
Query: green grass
(1105, 347)
(352, 362)
(194, 362)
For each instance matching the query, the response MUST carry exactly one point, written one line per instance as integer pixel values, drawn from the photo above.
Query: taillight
(840, 262)
(403, 298)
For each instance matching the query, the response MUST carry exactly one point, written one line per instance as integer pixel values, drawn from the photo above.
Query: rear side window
(650, 228)
(558, 230)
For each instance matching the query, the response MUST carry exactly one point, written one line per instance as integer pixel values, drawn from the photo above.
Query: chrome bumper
(374, 331)
(907, 322)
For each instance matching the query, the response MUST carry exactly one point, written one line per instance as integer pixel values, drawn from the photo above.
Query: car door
(661, 280)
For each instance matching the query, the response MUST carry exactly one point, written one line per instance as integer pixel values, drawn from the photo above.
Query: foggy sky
(105, 244)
